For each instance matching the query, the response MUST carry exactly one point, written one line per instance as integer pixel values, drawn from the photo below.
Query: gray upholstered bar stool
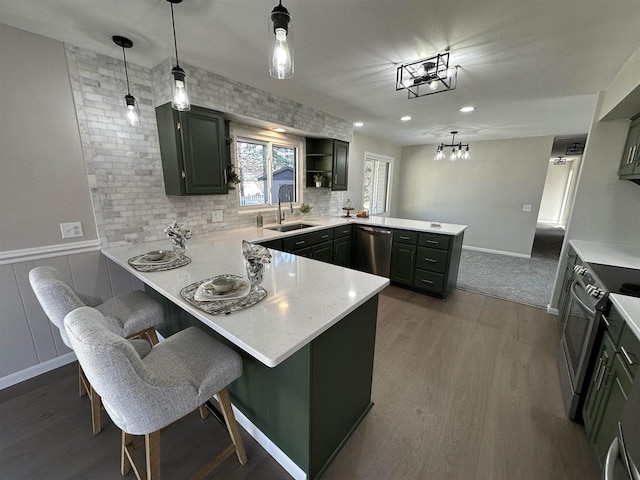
(129, 315)
(144, 395)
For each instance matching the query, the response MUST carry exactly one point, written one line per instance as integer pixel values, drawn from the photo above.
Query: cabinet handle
(601, 378)
(226, 178)
(433, 241)
(631, 155)
(424, 280)
(325, 236)
(301, 242)
(430, 260)
(184, 175)
(606, 322)
(404, 238)
(600, 362)
(626, 356)
(335, 178)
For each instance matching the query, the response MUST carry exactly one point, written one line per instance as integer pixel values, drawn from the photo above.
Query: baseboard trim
(498, 252)
(26, 254)
(272, 449)
(552, 311)
(39, 369)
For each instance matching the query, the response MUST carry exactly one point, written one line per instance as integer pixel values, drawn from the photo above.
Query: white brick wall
(123, 163)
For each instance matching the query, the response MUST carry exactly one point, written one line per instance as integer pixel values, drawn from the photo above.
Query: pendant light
(179, 94)
(131, 113)
(280, 53)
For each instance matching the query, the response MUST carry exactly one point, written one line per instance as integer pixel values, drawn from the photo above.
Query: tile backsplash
(123, 163)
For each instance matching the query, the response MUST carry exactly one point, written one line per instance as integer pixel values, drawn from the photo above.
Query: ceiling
(530, 67)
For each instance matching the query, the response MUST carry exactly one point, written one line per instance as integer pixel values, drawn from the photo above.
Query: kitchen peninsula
(307, 348)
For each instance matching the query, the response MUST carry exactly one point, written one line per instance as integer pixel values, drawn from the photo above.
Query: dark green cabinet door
(595, 391)
(275, 244)
(402, 263)
(323, 251)
(616, 385)
(193, 149)
(340, 165)
(342, 252)
(303, 252)
(630, 155)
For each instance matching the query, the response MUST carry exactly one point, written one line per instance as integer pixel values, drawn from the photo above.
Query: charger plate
(220, 307)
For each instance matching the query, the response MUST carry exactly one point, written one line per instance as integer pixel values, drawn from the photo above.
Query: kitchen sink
(290, 226)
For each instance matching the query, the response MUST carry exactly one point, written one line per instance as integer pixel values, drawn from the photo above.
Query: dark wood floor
(463, 389)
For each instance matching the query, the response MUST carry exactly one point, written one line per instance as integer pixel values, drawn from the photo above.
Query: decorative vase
(179, 247)
(255, 272)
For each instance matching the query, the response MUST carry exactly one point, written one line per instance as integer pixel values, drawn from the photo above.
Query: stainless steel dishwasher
(373, 250)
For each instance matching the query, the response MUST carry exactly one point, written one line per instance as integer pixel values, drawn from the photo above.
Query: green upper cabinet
(194, 151)
(630, 163)
(329, 158)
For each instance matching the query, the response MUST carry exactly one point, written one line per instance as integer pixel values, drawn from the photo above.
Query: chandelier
(427, 76)
(457, 151)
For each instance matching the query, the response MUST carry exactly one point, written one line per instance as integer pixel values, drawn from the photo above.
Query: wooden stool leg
(152, 451)
(96, 405)
(81, 386)
(125, 463)
(204, 413)
(151, 334)
(232, 425)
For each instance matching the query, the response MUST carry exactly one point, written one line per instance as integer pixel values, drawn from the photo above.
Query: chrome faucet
(280, 212)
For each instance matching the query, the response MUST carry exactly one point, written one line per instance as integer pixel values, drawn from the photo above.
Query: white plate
(206, 293)
(170, 257)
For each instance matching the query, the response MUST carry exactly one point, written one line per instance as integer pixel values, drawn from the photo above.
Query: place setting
(160, 260)
(227, 293)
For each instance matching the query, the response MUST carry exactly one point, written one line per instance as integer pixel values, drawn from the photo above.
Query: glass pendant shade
(466, 155)
(179, 94)
(131, 113)
(439, 155)
(453, 157)
(280, 51)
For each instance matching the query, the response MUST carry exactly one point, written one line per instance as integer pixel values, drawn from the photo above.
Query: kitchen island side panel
(310, 403)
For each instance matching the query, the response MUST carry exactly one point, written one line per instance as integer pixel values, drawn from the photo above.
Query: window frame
(270, 139)
(377, 158)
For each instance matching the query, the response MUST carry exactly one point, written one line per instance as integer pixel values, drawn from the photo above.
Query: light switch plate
(217, 216)
(71, 230)
(526, 207)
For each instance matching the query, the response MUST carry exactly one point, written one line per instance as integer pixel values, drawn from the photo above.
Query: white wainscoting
(29, 343)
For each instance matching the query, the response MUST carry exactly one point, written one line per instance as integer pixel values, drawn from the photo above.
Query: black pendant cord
(175, 42)
(126, 72)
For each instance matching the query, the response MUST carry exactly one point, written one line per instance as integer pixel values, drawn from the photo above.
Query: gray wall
(486, 193)
(42, 177)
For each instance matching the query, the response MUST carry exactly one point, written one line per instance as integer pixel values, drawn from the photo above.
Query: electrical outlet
(71, 230)
(217, 216)
(526, 207)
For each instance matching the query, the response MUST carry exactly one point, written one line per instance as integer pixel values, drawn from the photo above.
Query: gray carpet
(522, 280)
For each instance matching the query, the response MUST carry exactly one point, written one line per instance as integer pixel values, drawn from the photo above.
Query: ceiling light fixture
(180, 96)
(406, 118)
(433, 72)
(358, 124)
(279, 130)
(467, 109)
(575, 149)
(456, 150)
(280, 53)
(131, 113)
(560, 161)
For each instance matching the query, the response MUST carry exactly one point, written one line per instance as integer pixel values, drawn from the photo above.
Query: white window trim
(248, 133)
(382, 158)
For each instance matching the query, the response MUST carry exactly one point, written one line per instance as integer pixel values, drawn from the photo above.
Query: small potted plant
(305, 208)
(319, 179)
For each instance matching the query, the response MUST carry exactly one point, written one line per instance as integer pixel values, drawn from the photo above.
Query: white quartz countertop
(629, 308)
(627, 256)
(305, 297)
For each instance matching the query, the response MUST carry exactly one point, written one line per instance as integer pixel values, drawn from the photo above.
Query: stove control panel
(594, 291)
(579, 270)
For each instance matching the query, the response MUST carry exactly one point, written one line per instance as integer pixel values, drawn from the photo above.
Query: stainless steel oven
(587, 300)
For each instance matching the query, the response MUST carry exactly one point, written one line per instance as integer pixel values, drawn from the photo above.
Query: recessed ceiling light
(358, 124)
(406, 118)
(467, 109)
(279, 130)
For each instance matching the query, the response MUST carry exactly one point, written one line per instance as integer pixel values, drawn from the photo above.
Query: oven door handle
(575, 296)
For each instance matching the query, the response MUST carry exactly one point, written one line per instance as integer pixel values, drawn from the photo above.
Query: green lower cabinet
(303, 252)
(342, 251)
(429, 281)
(402, 263)
(323, 251)
(616, 386)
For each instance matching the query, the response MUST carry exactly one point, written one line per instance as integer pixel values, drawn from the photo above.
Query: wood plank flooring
(463, 389)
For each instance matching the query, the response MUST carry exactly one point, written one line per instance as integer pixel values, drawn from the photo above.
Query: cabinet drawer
(307, 239)
(629, 348)
(275, 244)
(431, 259)
(428, 281)
(434, 240)
(405, 236)
(343, 231)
